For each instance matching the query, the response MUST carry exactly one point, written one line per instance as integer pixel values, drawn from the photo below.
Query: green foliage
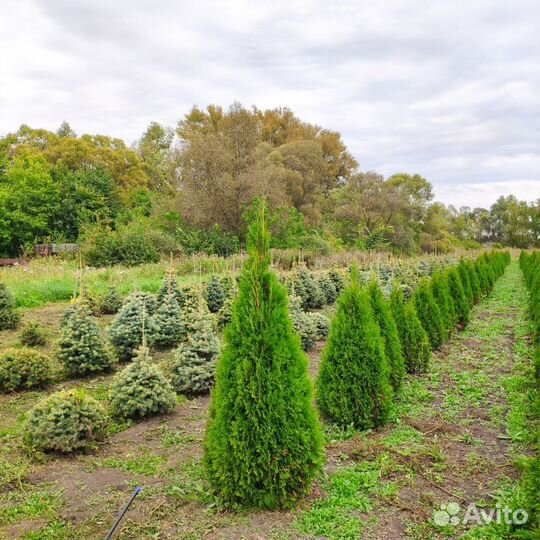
(389, 333)
(414, 340)
(33, 335)
(23, 369)
(337, 280)
(111, 302)
(306, 286)
(263, 444)
(126, 330)
(474, 281)
(463, 273)
(441, 294)
(429, 314)
(81, 348)
(353, 387)
(168, 326)
(9, 317)
(128, 245)
(170, 286)
(29, 202)
(322, 325)
(64, 422)
(303, 323)
(214, 294)
(224, 315)
(141, 389)
(193, 366)
(458, 296)
(328, 288)
(212, 241)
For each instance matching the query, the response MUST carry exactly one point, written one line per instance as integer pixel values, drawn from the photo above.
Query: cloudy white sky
(450, 90)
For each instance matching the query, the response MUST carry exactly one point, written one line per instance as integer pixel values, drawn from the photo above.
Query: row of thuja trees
(264, 443)
(530, 485)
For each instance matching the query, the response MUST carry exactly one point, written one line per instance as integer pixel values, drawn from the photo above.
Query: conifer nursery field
(395, 399)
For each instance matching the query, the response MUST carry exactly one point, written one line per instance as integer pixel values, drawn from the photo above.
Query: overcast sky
(450, 90)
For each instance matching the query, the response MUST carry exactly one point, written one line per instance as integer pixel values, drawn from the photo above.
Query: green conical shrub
(111, 302)
(353, 387)
(169, 329)
(33, 335)
(81, 348)
(429, 314)
(337, 280)
(65, 421)
(170, 286)
(463, 273)
(9, 316)
(141, 389)
(263, 443)
(307, 288)
(474, 281)
(193, 365)
(303, 324)
(389, 333)
(224, 315)
(441, 294)
(126, 330)
(414, 340)
(328, 288)
(458, 296)
(214, 294)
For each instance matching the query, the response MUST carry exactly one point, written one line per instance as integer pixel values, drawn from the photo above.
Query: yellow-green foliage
(353, 387)
(23, 369)
(64, 422)
(33, 335)
(263, 443)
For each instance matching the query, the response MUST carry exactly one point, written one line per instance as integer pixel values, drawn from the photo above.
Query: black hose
(122, 514)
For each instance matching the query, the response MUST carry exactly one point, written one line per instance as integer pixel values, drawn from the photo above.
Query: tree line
(191, 189)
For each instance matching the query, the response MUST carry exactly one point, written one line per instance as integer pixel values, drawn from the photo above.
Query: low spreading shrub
(24, 369)
(65, 422)
(33, 335)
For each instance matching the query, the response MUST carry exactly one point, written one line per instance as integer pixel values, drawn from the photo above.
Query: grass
(394, 473)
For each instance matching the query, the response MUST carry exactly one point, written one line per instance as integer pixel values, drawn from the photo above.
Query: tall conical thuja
(263, 443)
(354, 380)
(413, 337)
(389, 333)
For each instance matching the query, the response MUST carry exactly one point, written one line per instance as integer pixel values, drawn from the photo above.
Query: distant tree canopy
(191, 188)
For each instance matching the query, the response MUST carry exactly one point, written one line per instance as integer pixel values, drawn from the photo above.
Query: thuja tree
(263, 443)
(441, 293)
(429, 314)
(389, 333)
(82, 349)
(463, 273)
(413, 337)
(474, 281)
(458, 296)
(353, 386)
